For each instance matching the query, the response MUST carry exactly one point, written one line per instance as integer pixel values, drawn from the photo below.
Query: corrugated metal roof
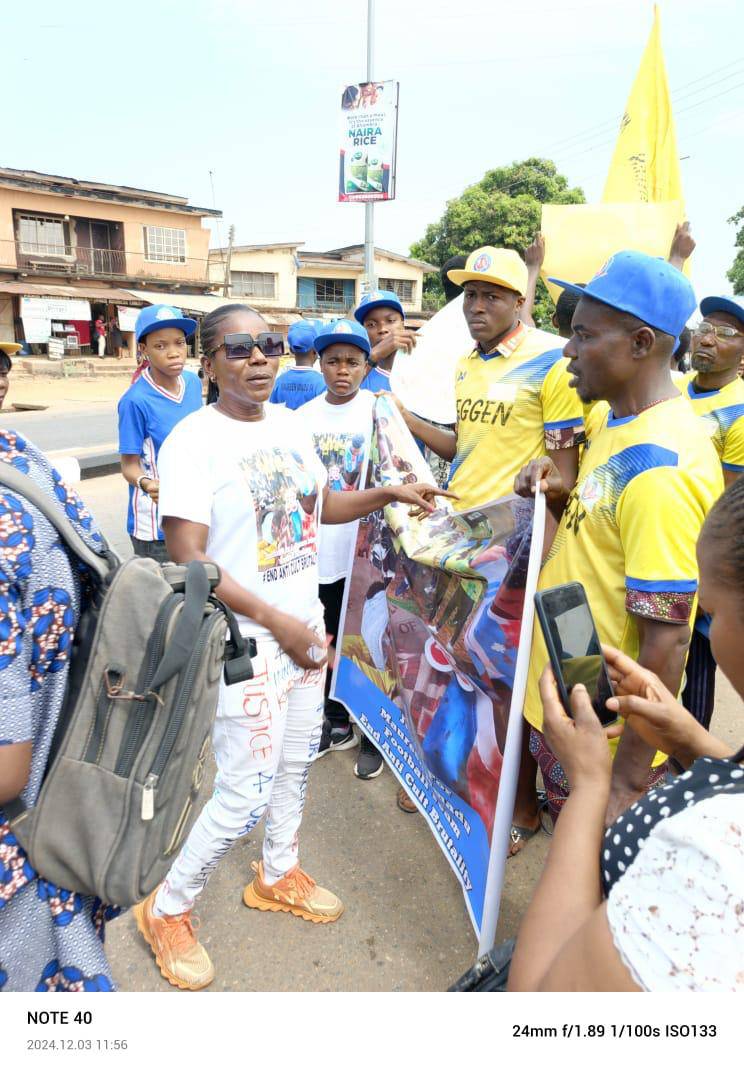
(44, 289)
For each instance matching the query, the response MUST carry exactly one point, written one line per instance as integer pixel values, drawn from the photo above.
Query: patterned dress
(51, 940)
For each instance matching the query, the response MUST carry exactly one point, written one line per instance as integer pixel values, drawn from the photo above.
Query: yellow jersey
(512, 406)
(630, 526)
(723, 415)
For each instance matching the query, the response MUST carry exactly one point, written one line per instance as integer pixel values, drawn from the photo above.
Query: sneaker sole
(252, 899)
(138, 910)
(368, 776)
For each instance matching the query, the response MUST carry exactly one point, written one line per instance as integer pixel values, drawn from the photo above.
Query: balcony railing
(64, 259)
(70, 259)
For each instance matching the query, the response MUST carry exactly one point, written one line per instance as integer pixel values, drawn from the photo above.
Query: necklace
(651, 405)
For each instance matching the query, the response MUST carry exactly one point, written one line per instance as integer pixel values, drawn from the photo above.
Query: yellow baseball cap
(500, 267)
(9, 347)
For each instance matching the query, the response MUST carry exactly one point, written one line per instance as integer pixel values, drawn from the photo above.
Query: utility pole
(226, 285)
(370, 281)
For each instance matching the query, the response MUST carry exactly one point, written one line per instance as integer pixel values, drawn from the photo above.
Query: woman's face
(723, 601)
(250, 380)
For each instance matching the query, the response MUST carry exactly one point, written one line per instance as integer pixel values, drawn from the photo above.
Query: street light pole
(369, 208)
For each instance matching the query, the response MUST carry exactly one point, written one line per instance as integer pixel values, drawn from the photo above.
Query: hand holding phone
(573, 647)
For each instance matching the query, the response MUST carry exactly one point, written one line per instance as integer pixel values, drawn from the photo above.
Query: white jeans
(265, 736)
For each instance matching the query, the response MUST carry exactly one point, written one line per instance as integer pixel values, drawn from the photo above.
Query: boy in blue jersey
(381, 314)
(159, 399)
(302, 383)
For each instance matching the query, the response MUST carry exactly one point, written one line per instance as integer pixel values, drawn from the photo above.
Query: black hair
(565, 307)
(724, 525)
(683, 347)
(451, 289)
(211, 337)
(6, 364)
(211, 326)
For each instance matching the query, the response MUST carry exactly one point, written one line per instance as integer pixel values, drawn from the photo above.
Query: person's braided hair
(211, 332)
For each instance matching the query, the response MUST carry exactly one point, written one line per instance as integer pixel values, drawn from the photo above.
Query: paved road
(405, 927)
(68, 425)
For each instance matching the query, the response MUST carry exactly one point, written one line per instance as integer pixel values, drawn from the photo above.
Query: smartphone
(573, 646)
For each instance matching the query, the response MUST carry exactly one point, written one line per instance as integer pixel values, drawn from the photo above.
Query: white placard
(55, 308)
(127, 317)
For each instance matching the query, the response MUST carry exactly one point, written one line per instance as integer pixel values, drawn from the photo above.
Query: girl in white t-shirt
(241, 485)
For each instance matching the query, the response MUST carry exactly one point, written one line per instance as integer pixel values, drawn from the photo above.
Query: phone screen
(576, 647)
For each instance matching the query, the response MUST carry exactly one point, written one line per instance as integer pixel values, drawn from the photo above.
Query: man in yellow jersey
(514, 403)
(648, 477)
(716, 394)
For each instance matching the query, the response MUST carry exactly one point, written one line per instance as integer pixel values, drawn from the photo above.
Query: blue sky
(158, 94)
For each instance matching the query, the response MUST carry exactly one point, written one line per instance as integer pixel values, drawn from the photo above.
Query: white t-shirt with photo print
(342, 435)
(257, 486)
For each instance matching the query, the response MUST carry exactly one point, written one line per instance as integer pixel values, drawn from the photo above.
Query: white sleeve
(185, 485)
(676, 913)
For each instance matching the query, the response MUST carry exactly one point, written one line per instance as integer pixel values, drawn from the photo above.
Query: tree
(503, 209)
(735, 274)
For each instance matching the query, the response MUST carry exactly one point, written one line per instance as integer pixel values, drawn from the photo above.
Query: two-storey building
(72, 250)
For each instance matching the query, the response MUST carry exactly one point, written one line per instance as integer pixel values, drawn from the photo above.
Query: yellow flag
(645, 166)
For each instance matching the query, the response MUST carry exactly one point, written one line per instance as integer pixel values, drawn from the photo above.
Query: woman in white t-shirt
(654, 903)
(241, 485)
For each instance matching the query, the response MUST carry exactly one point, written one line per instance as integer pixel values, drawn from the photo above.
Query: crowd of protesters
(632, 426)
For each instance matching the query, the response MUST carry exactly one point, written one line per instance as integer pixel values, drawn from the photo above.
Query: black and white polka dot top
(706, 778)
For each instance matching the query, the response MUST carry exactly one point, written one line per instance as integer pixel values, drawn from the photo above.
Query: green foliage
(735, 274)
(503, 209)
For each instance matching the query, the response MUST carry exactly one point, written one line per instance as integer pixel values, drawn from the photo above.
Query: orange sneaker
(181, 958)
(296, 893)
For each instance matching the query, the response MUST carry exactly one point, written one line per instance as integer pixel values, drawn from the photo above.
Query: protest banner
(428, 653)
(580, 238)
(369, 134)
(424, 379)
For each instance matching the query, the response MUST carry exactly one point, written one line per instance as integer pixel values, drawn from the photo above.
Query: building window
(329, 291)
(43, 236)
(166, 245)
(253, 283)
(403, 289)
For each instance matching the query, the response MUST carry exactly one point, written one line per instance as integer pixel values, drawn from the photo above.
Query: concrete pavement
(405, 927)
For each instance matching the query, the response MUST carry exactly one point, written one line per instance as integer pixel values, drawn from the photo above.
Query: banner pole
(510, 767)
(369, 208)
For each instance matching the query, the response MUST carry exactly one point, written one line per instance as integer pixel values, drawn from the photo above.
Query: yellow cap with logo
(500, 267)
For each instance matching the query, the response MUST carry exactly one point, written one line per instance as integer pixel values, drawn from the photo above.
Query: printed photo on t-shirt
(342, 455)
(287, 505)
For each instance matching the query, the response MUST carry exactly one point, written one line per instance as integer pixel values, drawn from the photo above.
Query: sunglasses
(240, 346)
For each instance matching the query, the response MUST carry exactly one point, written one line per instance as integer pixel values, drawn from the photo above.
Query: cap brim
(461, 277)
(9, 348)
(188, 326)
(324, 340)
(573, 288)
(722, 304)
(360, 314)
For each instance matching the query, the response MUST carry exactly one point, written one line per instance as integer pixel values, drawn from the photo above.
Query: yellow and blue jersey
(630, 526)
(512, 406)
(723, 414)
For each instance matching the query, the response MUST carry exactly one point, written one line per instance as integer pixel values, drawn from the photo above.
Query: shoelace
(181, 931)
(302, 881)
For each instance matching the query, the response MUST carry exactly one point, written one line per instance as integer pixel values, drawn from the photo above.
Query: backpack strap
(99, 565)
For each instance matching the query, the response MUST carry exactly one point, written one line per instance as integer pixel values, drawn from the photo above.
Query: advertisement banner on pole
(369, 134)
(426, 661)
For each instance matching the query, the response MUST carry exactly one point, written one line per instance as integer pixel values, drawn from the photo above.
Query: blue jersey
(376, 380)
(147, 415)
(296, 386)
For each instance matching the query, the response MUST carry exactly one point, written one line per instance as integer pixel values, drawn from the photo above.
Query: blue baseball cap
(646, 286)
(157, 317)
(344, 331)
(723, 304)
(377, 299)
(301, 336)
